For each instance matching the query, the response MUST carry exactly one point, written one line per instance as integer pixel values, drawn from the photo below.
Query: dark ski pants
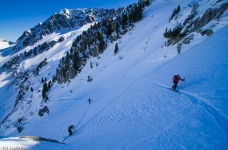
(70, 132)
(175, 85)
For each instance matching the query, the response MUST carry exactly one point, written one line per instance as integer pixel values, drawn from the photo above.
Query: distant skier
(70, 130)
(89, 100)
(176, 79)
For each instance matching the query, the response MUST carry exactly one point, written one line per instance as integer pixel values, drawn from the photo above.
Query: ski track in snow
(82, 117)
(101, 109)
(107, 105)
(217, 115)
(76, 130)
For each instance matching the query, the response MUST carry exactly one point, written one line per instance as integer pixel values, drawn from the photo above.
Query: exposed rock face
(94, 50)
(195, 25)
(208, 16)
(71, 73)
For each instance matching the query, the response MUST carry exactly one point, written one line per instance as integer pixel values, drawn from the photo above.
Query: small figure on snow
(89, 100)
(70, 130)
(176, 79)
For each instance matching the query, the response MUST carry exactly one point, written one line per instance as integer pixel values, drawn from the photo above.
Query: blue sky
(16, 16)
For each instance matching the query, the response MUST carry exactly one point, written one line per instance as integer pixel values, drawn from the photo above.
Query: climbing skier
(89, 100)
(70, 130)
(176, 79)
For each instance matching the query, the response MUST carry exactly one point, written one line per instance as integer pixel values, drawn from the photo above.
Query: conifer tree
(34, 52)
(147, 2)
(101, 44)
(110, 28)
(178, 8)
(76, 61)
(116, 48)
(67, 56)
(91, 65)
(31, 89)
(124, 20)
(117, 27)
(99, 36)
(45, 89)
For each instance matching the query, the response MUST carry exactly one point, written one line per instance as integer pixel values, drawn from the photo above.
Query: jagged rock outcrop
(194, 24)
(94, 50)
(208, 16)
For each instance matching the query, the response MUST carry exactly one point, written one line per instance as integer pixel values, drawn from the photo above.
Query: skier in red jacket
(176, 79)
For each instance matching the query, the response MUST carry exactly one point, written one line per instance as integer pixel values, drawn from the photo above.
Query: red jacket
(176, 79)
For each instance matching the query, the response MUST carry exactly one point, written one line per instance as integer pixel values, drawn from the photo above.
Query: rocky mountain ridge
(70, 19)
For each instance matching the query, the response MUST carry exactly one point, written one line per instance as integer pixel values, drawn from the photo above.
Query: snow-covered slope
(132, 106)
(4, 44)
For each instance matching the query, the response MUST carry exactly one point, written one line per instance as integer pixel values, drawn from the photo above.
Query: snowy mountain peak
(64, 11)
(69, 19)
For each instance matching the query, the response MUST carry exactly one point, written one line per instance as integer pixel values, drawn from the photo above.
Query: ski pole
(184, 81)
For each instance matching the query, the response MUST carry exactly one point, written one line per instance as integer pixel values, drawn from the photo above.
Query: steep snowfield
(132, 106)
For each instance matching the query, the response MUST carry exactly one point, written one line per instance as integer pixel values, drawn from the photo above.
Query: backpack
(71, 127)
(175, 78)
